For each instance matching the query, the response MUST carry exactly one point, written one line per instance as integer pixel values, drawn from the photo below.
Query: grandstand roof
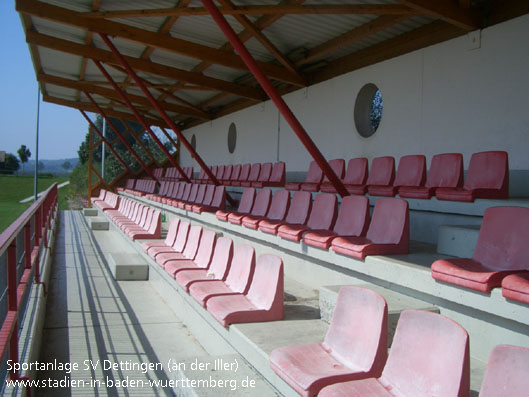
(188, 65)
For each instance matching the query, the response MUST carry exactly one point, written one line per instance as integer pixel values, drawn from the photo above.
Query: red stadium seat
(202, 258)
(189, 252)
(506, 372)
(501, 250)
(338, 167)
(381, 175)
(235, 173)
(352, 221)
(277, 176)
(322, 217)
(277, 211)
(243, 176)
(179, 243)
(314, 175)
(191, 198)
(218, 201)
(201, 192)
(355, 346)
(169, 239)
(253, 176)
(388, 232)
(227, 174)
(245, 205)
(298, 213)
(446, 171)
(429, 357)
(259, 209)
(487, 177)
(263, 302)
(264, 175)
(411, 172)
(516, 287)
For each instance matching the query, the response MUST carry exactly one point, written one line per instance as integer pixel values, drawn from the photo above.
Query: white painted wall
(443, 98)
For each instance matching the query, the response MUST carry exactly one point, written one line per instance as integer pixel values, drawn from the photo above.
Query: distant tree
(10, 164)
(23, 154)
(66, 165)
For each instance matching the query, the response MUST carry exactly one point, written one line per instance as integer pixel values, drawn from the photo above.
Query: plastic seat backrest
(247, 200)
(200, 194)
(382, 171)
(155, 223)
(193, 193)
(187, 191)
(227, 172)
(338, 167)
(219, 197)
(278, 173)
(261, 202)
(193, 240)
(171, 233)
(208, 196)
(245, 172)
(353, 217)
(410, 369)
(266, 171)
(180, 191)
(446, 170)
(357, 334)
(411, 171)
(299, 208)
(189, 172)
(220, 172)
(205, 248)
(314, 174)
(236, 172)
(241, 268)
(221, 259)
(324, 211)
(487, 170)
(502, 241)
(389, 221)
(254, 172)
(267, 283)
(279, 205)
(181, 236)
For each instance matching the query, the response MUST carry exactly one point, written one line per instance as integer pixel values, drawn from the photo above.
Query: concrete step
(98, 223)
(90, 212)
(127, 267)
(396, 304)
(457, 240)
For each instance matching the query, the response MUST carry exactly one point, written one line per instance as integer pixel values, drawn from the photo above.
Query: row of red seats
(487, 177)
(172, 174)
(429, 356)
(256, 175)
(136, 220)
(106, 200)
(225, 280)
(142, 187)
(129, 185)
(349, 231)
(191, 197)
(501, 256)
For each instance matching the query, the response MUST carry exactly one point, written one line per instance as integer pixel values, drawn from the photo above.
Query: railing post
(27, 245)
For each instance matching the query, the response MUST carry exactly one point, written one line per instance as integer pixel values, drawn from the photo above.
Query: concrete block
(126, 267)
(396, 304)
(90, 212)
(99, 224)
(457, 240)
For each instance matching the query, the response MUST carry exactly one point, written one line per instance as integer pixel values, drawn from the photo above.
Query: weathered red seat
(429, 357)
(314, 175)
(218, 202)
(277, 176)
(277, 211)
(263, 302)
(259, 209)
(227, 174)
(338, 167)
(101, 196)
(179, 243)
(501, 250)
(235, 173)
(410, 172)
(238, 280)
(151, 230)
(201, 192)
(322, 217)
(245, 205)
(446, 171)
(169, 239)
(381, 175)
(487, 177)
(243, 176)
(506, 372)
(189, 252)
(355, 177)
(253, 175)
(202, 257)
(516, 287)
(355, 346)
(191, 198)
(352, 220)
(264, 175)
(388, 232)
(217, 270)
(206, 201)
(184, 196)
(298, 213)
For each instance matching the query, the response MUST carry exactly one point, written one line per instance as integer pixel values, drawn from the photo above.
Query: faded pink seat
(227, 174)
(245, 205)
(388, 232)
(206, 201)
(201, 192)
(516, 287)
(191, 198)
(322, 217)
(243, 176)
(410, 172)
(101, 196)
(179, 243)
(253, 176)
(337, 166)
(217, 203)
(264, 175)
(184, 196)
(235, 173)
(487, 177)
(277, 176)
(501, 250)
(506, 372)
(446, 171)
(238, 280)
(263, 302)
(355, 346)
(189, 252)
(298, 213)
(169, 239)
(202, 258)
(381, 175)
(353, 220)
(429, 357)
(355, 177)
(277, 211)
(259, 209)
(151, 230)
(217, 270)
(314, 175)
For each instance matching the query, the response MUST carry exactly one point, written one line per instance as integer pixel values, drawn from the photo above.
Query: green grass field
(15, 188)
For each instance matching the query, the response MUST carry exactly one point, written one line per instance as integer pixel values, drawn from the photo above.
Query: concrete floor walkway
(114, 331)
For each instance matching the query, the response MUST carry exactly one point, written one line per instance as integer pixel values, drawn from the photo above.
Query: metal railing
(21, 245)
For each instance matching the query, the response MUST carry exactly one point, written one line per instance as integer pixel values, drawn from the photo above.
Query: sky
(61, 129)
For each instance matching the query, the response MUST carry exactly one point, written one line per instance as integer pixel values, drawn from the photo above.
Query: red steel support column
(274, 96)
(123, 96)
(118, 157)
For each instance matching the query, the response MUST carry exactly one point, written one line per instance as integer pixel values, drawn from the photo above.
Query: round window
(368, 110)
(232, 137)
(194, 142)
